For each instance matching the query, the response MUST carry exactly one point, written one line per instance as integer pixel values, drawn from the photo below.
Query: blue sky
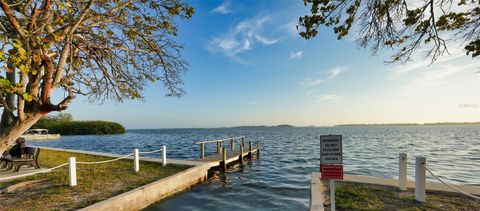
(248, 66)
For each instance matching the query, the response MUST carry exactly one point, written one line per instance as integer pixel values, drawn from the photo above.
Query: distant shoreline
(415, 124)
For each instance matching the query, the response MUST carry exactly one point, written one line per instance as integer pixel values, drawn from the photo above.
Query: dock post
(250, 148)
(218, 147)
(72, 171)
(231, 145)
(420, 178)
(224, 159)
(241, 154)
(136, 162)
(258, 149)
(243, 140)
(402, 171)
(164, 155)
(202, 150)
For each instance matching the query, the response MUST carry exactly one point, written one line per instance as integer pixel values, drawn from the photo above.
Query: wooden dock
(235, 153)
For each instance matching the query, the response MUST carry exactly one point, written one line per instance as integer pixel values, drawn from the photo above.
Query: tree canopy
(103, 49)
(404, 26)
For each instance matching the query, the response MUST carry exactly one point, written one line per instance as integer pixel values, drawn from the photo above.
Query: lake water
(280, 180)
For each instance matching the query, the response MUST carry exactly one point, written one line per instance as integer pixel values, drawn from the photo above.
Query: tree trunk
(7, 118)
(16, 129)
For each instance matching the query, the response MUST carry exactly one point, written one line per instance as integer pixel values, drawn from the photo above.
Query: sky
(249, 66)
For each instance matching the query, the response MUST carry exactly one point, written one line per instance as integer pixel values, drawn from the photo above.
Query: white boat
(39, 134)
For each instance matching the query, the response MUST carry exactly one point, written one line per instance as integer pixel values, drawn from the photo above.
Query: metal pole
(332, 195)
(72, 171)
(402, 171)
(164, 155)
(420, 178)
(136, 161)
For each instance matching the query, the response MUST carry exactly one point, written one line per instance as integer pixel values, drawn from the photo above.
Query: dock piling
(258, 149)
(224, 158)
(250, 148)
(202, 150)
(232, 146)
(241, 154)
(218, 147)
(243, 141)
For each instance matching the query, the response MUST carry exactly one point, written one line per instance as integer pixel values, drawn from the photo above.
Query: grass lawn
(354, 196)
(94, 182)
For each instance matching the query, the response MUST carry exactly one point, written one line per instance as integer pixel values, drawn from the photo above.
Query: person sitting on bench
(17, 151)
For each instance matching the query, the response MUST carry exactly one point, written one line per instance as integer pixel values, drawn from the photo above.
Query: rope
(32, 173)
(454, 188)
(106, 161)
(150, 152)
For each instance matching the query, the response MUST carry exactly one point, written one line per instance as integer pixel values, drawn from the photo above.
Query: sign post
(331, 162)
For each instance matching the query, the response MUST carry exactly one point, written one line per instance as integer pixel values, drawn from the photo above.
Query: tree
(404, 26)
(103, 49)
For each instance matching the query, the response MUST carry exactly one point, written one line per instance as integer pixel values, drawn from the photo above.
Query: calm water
(281, 178)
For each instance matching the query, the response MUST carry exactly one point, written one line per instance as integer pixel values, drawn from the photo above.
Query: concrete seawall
(144, 196)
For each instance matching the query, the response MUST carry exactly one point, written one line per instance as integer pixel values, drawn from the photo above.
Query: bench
(31, 159)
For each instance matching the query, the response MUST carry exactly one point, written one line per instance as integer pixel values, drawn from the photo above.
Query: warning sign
(332, 171)
(331, 149)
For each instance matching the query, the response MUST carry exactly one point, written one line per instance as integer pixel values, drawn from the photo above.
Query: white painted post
(136, 161)
(420, 178)
(164, 155)
(332, 195)
(402, 171)
(72, 171)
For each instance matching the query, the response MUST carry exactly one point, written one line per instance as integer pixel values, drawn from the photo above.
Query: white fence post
(72, 171)
(420, 178)
(164, 155)
(136, 162)
(402, 171)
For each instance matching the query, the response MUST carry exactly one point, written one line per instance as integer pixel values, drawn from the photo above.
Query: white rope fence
(32, 173)
(453, 188)
(421, 178)
(104, 161)
(72, 164)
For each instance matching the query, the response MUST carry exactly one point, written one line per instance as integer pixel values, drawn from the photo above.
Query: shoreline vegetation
(65, 125)
(50, 191)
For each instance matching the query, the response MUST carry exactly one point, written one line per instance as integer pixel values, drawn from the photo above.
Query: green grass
(95, 183)
(353, 196)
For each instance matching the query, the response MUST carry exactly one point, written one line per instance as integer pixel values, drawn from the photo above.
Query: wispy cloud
(242, 37)
(336, 71)
(435, 77)
(309, 82)
(290, 28)
(332, 73)
(295, 54)
(328, 98)
(223, 8)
